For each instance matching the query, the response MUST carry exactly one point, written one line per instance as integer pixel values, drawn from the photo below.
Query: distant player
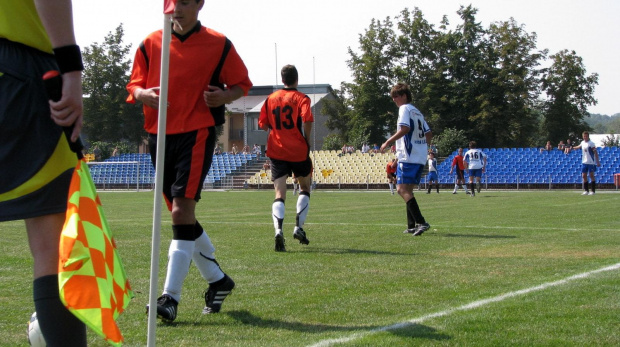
(287, 115)
(589, 162)
(457, 163)
(432, 173)
(390, 170)
(476, 160)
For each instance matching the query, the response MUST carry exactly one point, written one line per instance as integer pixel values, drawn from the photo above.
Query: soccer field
(504, 268)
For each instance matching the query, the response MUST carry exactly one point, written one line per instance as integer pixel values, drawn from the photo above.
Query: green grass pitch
(510, 255)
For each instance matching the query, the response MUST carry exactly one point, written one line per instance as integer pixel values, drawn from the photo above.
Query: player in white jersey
(589, 162)
(476, 161)
(432, 173)
(411, 137)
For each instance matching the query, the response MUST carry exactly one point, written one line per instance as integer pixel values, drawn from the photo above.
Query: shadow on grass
(349, 251)
(407, 330)
(480, 236)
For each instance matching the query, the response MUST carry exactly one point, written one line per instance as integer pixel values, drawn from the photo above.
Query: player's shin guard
(58, 325)
(204, 256)
(179, 259)
(303, 205)
(277, 212)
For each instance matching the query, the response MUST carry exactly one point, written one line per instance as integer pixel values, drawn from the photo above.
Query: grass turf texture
(361, 273)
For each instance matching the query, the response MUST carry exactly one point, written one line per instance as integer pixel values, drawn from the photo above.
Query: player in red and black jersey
(197, 54)
(287, 115)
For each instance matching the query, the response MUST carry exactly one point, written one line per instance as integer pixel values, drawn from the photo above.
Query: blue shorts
(432, 176)
(585, 168)
(475, 172)
(408, 173)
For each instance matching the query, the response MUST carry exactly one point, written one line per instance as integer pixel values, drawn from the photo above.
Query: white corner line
(472, 305)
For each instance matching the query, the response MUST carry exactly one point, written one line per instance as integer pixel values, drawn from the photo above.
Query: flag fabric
(169, 6)
(93, 284)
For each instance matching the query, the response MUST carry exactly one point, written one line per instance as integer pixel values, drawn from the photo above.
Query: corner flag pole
(159, 177)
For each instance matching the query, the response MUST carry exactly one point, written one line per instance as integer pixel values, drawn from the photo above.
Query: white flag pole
(159, 178)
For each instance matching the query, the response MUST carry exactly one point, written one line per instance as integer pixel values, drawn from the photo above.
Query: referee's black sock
(59, 326)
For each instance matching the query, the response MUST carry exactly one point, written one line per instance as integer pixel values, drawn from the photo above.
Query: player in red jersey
(457, 163)
(390, 170)
(196, 96)
(287, 115)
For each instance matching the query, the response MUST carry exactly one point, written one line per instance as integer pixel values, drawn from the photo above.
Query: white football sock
(204, 259)
(179, 259)
(303, 205)
(277, 212)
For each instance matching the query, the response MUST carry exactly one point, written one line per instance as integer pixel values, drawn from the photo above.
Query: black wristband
(69, 58)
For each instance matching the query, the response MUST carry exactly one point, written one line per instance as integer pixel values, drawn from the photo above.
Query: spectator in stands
(116, 152)
(234, 149)
(375, 148)
(267, 165)
(589, 162)
(246, 149)
(548, 147)
(432, 173)
(390, 171)
(343, 150)
(218, 149)
(365, 148)
(256, 150)
(568, 147)
(97, 153)
(561, 146)
(457, 163)
(350, 150)
(393, 149)
(288, 147)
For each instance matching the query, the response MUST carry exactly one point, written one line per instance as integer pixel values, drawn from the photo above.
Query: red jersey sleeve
(139, 74)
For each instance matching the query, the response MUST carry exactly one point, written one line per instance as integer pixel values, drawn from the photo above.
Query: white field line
(470, 306)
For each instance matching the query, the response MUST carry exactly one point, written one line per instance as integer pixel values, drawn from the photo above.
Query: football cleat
(280, 243)
(300, 234)
(166, 308)
(216, 294)
(584, 193)
(421, 228)
(409, 231)
(591, 193)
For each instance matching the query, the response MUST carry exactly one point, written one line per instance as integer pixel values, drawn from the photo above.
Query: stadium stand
(507, 167)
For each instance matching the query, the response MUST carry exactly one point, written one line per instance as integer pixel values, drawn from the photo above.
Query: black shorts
(35, 160)
(187, 161)
(281, 168)
(460, 174)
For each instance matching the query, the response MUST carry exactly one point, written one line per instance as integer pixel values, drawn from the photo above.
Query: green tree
(107, 117)
(569, 93)
(450, 140)
(371, 108)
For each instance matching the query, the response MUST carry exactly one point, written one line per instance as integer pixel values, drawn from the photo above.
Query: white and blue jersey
(587, 152)
(412, 147)
(475, 158)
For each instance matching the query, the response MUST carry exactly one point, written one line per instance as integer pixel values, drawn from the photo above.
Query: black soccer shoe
(166, 308)
(300, 234)
(215, 295)
(421, 228)
(280, 243)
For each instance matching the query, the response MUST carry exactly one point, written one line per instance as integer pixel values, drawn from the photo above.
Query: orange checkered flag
(93, 284)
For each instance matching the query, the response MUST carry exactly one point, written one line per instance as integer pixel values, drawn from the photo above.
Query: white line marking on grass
(469, 306)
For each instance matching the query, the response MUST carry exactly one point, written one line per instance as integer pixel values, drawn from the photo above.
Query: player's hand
(215, 96)
(383, 147)
(149, 97)
(69, 109)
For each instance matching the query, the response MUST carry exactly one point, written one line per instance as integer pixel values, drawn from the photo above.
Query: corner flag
(169, 6)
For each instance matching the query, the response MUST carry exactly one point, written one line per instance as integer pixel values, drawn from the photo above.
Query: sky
(316, 35)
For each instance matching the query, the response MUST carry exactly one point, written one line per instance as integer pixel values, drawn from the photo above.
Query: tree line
(492, 85)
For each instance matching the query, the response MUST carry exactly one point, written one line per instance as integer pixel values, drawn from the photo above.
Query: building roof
(253, 103)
